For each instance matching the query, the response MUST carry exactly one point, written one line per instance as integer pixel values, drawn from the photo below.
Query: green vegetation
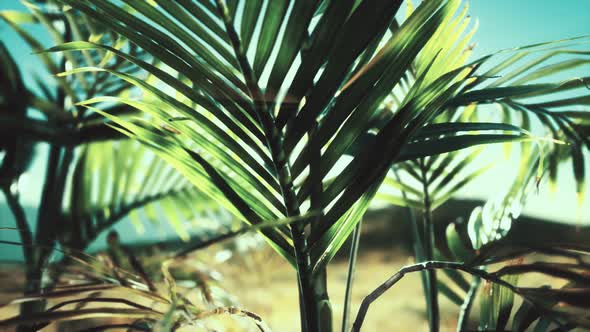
(294, 117)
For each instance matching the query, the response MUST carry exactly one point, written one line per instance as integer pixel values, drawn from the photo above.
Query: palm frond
(273, 98)
(113, 180)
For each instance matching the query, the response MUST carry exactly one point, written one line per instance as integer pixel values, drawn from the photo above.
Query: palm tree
(274, 108)
(429, 182)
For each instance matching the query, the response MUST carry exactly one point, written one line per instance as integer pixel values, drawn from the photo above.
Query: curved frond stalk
(416, 268)
(540, 298)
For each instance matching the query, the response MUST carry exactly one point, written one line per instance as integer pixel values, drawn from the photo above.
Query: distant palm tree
(94, 176)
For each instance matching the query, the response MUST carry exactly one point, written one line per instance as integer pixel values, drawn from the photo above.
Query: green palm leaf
(343, 102)
(113, 180)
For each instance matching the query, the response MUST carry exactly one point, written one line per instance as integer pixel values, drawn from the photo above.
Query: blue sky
(502, 24)
(508, 23)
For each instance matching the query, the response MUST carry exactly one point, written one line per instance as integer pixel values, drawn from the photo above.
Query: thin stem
(356, 235)
(320, 279)
(52, 191)
(467, 304)
(45, 218)
(52, 223)
(430, 265)
(48, 207)
(34, 269)
(433, 309)
(417, 239)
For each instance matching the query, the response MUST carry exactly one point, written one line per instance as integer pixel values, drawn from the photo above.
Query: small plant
(116, 284)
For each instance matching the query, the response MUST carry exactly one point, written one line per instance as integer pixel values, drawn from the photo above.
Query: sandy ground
(261, 282)
(264, 284)
(268, 287)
